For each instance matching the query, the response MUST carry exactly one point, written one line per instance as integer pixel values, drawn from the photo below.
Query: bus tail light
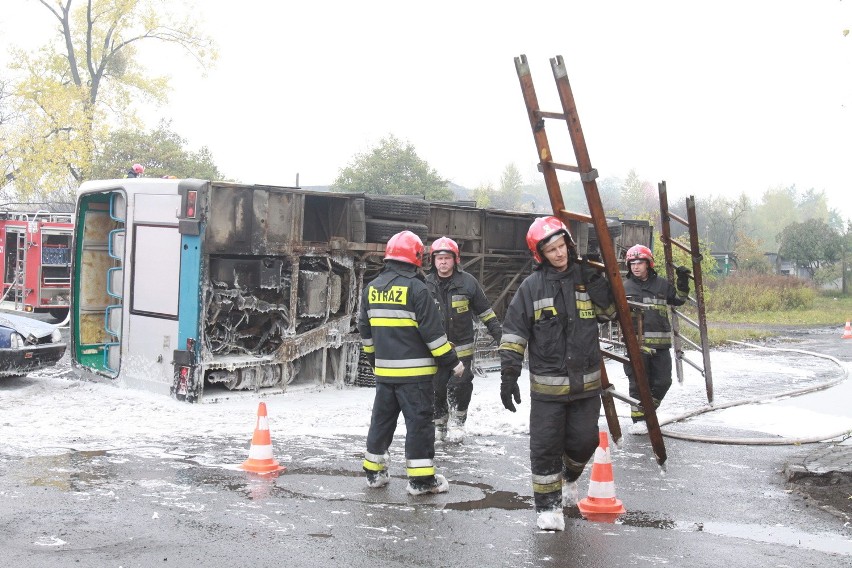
(191, 199)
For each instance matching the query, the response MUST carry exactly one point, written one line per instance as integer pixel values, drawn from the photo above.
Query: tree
(5, 120)
(639, 198)
(750, 255)
(722, 220)
(162, 151)
(813, 205)
(810, 244)
(482, 194)
(75, 89)
(392, 168)
(509, 194)
(776, 210)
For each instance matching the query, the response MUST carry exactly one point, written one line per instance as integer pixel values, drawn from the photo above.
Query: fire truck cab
(35, 259)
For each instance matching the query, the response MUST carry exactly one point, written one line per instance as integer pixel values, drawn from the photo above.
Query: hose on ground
(776, 441)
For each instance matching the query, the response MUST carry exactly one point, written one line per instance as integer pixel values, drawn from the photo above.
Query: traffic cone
(601, 505)
(847, 331)
(260, 454)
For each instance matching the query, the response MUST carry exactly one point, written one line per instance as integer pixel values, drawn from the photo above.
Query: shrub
(759, 293)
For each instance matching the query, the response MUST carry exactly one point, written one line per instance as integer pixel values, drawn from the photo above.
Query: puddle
(778, 534)
(73, 471)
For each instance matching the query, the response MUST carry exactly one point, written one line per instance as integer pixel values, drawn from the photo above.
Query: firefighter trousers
(658, 368)
(453, 394)
(414, 400)
(563, 437)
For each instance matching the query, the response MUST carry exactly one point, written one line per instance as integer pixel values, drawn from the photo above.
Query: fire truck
(35, 252)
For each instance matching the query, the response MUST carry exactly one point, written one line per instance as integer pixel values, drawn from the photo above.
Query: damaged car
(27, 345)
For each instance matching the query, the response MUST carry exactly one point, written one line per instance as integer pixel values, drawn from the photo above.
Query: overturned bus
(203, 289)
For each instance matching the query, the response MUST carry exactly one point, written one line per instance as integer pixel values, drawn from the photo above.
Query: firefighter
(554, 316)
(402, 336)
(642, 285)
(460, 299)
(136, 171)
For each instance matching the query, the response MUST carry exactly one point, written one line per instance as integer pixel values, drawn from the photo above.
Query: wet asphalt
(185, 504)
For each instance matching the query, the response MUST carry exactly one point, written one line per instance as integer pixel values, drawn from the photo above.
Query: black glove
(599, 291)
(509, 389)
(588, 272)
(683, 278)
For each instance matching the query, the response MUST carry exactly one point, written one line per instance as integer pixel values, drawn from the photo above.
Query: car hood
(26, 326)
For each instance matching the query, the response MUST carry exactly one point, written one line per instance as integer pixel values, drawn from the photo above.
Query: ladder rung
(582, 217)
(679, 219)
(691, 322)
(614, 357)
(610, 390)
(696, 366)
(545, 114)
(682, 247)
(558, 166)
(687, 340)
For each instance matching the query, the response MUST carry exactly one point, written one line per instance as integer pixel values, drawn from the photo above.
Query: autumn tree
(161, 151)
(811, 244)
(78, 86)
(750, 255)
(393, 168)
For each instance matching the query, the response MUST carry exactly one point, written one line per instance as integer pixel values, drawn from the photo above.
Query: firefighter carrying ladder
(588, 175)
(695, 256)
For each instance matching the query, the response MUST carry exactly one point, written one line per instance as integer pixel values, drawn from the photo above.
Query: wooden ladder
(588, 175)
(678, 339)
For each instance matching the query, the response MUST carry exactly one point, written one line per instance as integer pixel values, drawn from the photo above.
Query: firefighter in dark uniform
(402, 335)
(460, 299)
(136, 171)
(554, 315)
(657, 294)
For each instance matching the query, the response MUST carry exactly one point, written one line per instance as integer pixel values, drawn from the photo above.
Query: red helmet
(448, 245)
(542, 230)
(138, 169)
(405, 247)
(639, 252)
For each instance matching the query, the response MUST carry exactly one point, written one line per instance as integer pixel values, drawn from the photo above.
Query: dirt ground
(832, 492)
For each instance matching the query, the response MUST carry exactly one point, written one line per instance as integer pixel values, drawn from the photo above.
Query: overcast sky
(713, 97)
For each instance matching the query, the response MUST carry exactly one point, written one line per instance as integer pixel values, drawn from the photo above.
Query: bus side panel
(187, 384)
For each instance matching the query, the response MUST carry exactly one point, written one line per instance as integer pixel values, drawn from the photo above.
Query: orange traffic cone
(601, 505)
(260, 454)
(847, 332)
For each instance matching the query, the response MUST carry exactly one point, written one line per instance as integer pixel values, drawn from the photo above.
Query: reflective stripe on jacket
(400, 327)
(657, 294)
(553, 317)
(460, 300)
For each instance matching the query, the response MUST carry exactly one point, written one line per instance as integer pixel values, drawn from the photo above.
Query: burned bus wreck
(202, 289)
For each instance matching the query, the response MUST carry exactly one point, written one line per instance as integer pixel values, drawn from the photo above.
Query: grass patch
(754, 307)
(824, 309)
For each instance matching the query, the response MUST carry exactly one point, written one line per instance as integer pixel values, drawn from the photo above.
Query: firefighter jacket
(657, 294)
(460, 298)
(400, 327)
(555, 315)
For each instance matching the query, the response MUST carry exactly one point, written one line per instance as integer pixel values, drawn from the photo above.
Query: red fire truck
(35, 258)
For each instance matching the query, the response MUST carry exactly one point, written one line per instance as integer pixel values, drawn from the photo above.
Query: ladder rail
(694, 251)
(588, 175)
